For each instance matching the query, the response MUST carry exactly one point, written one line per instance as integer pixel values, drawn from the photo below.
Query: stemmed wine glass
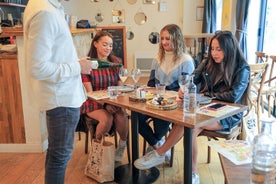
(123, 74)
(135, 74)
(183, 80)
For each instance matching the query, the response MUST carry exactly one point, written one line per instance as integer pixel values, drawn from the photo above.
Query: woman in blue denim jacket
(224, 75)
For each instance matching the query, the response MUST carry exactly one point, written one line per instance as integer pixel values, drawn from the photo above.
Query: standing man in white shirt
(51, 59)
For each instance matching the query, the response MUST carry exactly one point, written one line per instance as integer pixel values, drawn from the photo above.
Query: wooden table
(175, 116)
(235, 174)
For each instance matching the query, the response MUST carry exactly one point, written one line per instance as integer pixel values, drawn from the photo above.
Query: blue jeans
(160, 127)
(61, 125)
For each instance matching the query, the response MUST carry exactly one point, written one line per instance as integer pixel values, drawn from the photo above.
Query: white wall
(181, 12)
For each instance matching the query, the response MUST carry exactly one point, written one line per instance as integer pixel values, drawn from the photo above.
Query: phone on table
(216, 106)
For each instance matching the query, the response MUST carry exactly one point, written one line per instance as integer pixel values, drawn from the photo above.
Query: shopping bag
(101, 161)
(249, 125)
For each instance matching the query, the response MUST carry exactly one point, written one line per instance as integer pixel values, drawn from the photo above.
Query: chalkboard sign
(119, 41)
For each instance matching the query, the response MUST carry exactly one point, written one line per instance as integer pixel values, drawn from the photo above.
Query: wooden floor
(28, 168)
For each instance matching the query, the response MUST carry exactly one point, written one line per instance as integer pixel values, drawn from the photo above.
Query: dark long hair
(233, 58)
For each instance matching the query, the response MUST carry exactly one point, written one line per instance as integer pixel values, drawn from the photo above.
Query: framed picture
(199, 13)
(149, 1)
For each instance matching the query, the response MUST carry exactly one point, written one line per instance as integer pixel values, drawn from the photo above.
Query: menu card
(237, 151)
(98, 95)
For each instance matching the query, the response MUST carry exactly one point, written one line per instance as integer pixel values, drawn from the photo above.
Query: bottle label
(189, 103)
(95, 64)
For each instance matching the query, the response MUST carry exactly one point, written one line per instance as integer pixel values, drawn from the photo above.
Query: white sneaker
(168, 153)
(160, 142)
(120, 151)
(149, 149)
(149, 160)
(195, 178)
(168, 156)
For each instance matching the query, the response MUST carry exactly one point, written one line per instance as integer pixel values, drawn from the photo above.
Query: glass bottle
(189, 101)
(262, 169)
(273, 135)
(97, 63)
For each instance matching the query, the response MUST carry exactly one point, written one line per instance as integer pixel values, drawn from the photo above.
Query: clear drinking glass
(135, 74)
(160, 89)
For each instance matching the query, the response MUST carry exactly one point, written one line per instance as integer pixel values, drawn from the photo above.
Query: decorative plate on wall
(154, 37)
(129, 35)
(140, 18)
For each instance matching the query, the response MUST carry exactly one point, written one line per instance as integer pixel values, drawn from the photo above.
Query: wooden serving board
(162, 107)
(135, 99)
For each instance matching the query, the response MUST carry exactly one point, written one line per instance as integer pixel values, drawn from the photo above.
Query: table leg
(128, 174)
(187, 141)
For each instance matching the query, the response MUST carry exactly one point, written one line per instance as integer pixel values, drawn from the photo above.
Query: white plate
(203, 99)
(125, 89)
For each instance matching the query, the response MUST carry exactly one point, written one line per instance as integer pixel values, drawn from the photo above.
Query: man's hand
(86, 65)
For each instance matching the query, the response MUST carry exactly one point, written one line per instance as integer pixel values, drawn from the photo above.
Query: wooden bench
(235, 174)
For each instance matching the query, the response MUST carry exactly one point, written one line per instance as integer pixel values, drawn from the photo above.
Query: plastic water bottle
(189, 101)
(263, 169)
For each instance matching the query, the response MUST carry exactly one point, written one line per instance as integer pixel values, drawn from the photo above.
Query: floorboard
(28, 168)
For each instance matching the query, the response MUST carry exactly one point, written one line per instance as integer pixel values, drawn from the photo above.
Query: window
(261, 30)
(269, 39)
(219, 13)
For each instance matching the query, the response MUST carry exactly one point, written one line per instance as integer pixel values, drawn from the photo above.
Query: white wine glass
(183, 80)
(123, 74)
(135, 74)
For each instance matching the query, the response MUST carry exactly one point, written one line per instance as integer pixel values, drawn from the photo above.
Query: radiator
(143, 61)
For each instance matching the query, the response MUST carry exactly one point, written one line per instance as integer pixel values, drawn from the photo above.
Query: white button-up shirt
(51, 57)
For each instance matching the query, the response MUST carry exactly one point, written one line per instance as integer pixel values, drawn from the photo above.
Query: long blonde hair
(177, 40)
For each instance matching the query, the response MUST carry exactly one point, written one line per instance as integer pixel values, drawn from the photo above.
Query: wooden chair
(145, 145)
(258, 75)
(91, 125)
(261, 57)
(258, 72)
(191, 44)
(269, 88)
(228, 135)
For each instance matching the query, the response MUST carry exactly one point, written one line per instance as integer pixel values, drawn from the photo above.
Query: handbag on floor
(101, 161)
(249, 125)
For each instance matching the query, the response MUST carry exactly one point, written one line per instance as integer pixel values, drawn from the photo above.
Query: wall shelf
(12, 4)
